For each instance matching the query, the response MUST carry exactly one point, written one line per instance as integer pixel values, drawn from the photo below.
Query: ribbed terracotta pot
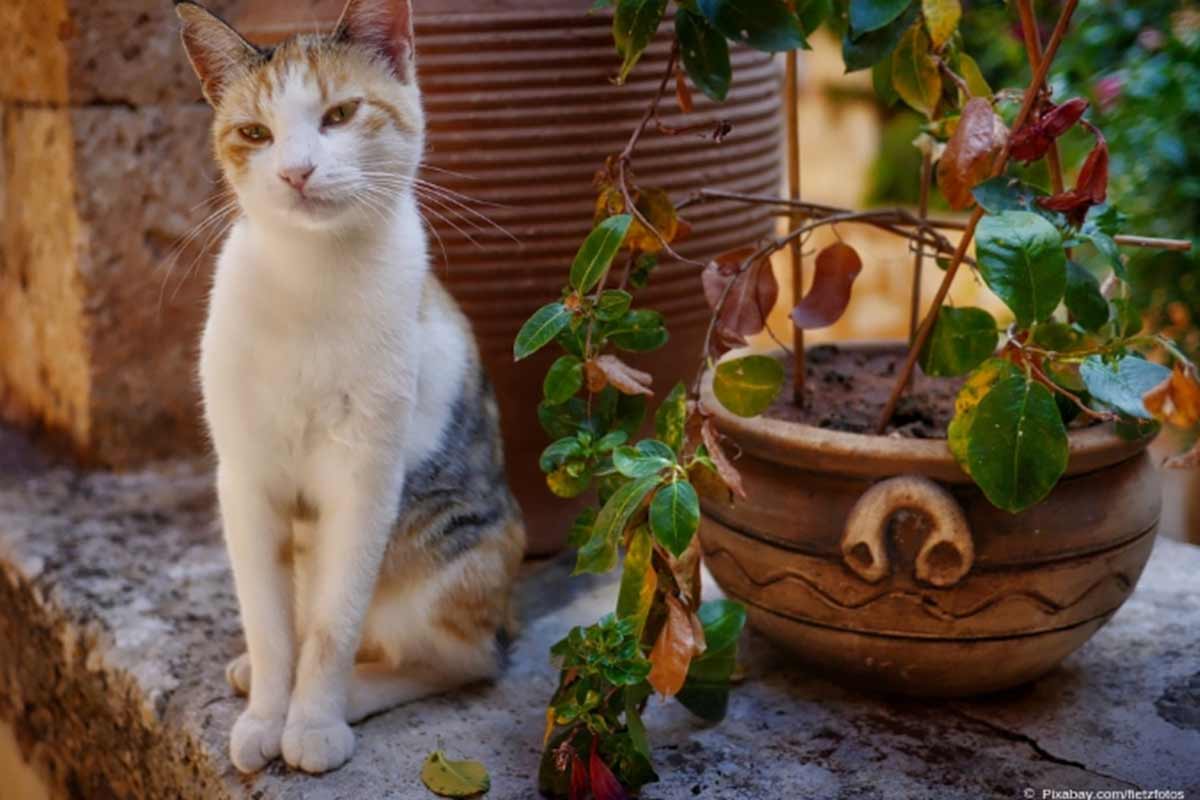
(522, 112)
(876, 560)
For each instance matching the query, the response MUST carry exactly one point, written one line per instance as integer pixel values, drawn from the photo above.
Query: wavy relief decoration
(927, 603)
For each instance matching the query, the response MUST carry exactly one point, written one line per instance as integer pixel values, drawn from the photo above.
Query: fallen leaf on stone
(454, 778)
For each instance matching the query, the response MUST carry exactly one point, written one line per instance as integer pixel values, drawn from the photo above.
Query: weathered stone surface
(84, 53)
(118, 618)
(102, 293)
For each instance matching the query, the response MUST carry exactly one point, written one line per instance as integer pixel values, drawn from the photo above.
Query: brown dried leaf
(725, 468)
(967, 159)
(1035, 137)
(683, 93)
(1176, 400)
(1062, 118)
(623, 377)
(673, 651)
(837, 267)
(750, 298)
(596, 379)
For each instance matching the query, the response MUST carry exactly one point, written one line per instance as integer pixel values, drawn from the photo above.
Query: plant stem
(1033, 48)
(914, 302)
(799, 370)
(1027, 105)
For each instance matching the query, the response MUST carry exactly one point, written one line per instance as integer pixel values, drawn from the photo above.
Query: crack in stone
(1033, 744)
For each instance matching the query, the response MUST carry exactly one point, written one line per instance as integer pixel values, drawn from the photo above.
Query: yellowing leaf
(941, 18)
(454, 778)
(915, 75)
(656, 206)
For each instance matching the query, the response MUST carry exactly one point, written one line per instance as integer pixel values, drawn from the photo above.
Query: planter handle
(948, 552)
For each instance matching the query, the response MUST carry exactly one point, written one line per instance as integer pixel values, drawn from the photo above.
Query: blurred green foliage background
(1138, 63)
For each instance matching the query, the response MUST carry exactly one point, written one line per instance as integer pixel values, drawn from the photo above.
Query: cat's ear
(385, 26)
(218, 53)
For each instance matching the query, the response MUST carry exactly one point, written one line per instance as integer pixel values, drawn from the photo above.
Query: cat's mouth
(316, 204)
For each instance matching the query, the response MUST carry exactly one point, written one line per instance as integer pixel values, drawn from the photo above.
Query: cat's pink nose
(296, 176)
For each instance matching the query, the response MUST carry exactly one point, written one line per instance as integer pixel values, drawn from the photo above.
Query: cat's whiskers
(210, 223)
(447, 203)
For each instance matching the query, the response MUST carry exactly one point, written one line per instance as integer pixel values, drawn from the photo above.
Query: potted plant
(968, 560)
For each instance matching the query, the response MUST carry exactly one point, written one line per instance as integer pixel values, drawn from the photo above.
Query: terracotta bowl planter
(877, 561)
(521, 113)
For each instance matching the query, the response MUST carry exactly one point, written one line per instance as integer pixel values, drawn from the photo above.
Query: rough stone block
(81, 52)
(101, 292)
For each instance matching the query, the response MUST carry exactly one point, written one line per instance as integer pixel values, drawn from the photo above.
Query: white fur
(320, 382)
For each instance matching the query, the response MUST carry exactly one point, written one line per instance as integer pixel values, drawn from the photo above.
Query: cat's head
(321, 131)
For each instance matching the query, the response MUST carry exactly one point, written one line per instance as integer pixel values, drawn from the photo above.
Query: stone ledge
(118, 618)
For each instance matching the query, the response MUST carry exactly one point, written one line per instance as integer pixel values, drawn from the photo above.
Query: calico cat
(373, 538)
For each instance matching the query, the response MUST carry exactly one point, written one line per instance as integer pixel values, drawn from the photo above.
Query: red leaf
(837, 267)
(1061, 118)
(725, 468)
(751, 297)
(1093, 175)
(1029, 144)
(605, 785)
(1091, 187)
(624, 378)
(968, 156)
(579, 778)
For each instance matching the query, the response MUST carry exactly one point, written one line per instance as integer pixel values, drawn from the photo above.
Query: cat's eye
(255, 133)
(339, 114)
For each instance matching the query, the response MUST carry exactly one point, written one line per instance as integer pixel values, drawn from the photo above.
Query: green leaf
(557, 453)
(628, 413)
(915, 74)
(767, 25)
(655, 449)
(870, 15)
(706, 691)
(454, 778)
(1122, 383)
(976, 83)
(860, 51)
(1083, 298)
(881, 82)
(1021, 258)
(581, 528)
(1017, 447)
(638, 580)
(631, 463)
(599, 553)
(1127, 318)
(671, 417)
(634, 25)
(723, 621)
(1000, 194)
(637, 729)
(597, 251)
(613, 304)
(563, 380)
(973, 390)
(747, 386)
(540, 329)
(563, 419)
(638, 331)
(962, 339)
(812, 13)
(611, 441)
(675, 515)
(1106, 246)
(705, 54)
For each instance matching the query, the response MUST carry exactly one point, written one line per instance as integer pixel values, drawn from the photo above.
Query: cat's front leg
(356, 509)
(255, 532)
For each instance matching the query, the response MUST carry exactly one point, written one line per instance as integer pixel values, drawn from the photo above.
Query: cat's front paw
(255, 740)
(317, 745)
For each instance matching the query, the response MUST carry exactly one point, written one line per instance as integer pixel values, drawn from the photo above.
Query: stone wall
(104, 174)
